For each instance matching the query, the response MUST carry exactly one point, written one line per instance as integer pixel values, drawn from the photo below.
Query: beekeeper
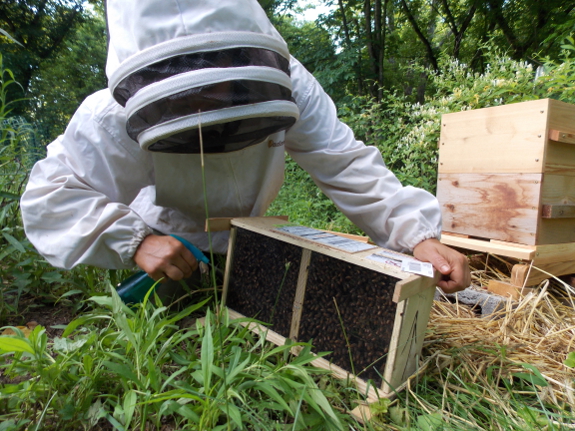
(127, 170)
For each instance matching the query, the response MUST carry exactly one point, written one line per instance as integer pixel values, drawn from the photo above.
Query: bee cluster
(348, 310)
(263, 279)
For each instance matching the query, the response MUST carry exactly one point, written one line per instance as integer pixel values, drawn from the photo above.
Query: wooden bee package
(347, 297)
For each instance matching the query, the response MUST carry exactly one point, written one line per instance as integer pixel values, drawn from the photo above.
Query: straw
(539, 330)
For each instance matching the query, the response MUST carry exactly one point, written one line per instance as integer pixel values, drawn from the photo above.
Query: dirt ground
(47, 315)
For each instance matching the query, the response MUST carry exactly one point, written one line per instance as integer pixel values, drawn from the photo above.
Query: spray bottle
(134, 288)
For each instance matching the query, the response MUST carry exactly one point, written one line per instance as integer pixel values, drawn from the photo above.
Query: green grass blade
(122, 371)
(130, 399)
(9, 344)
(207, 355)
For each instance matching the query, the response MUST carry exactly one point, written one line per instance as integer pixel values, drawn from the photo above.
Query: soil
(47, 315)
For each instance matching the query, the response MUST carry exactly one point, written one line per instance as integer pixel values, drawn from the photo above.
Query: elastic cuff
(422, 237)
(137, 239)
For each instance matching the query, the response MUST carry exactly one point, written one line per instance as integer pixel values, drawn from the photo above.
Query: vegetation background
(392, 67)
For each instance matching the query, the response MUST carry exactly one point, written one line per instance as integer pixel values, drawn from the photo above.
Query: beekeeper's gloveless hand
(449, 262)
(164, 256)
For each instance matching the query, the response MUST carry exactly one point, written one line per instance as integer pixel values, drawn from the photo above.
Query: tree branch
(428, 47)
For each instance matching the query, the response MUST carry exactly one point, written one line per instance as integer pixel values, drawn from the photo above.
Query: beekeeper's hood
(178, 64)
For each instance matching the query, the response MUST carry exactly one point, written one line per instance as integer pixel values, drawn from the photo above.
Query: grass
(143, 368)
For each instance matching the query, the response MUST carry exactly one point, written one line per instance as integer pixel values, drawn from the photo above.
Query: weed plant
(23, 273)
(142, 367)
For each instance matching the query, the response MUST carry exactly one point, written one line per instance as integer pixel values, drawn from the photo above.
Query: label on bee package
(405, 263)
(326, 238)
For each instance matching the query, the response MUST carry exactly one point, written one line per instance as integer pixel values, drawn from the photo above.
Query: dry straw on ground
(537, 331)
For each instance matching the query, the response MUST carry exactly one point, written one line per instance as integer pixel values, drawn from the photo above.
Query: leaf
(532, 417)
(130, 400)
(71, 292)
(8, 344)
(115, 423)
(7, 252)
(530, 378)
(430, 422)
(570, 361)
(189, 414)
(53, 277)
(187, 311)
(67, 412)
(236, 370)
(88, 362)
(8, 195)
(207, 355)
(5, 33)
(271, 392)
(14, 242)
(536, 378)
(122, 370)
(96, 412)
(398, 415)
(152, 373)
(9, 425)
(76, 323)
(102, 300)
(233, 412)
(66, 345)
(380, 407)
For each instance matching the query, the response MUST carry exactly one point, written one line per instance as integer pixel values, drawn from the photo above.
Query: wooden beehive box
(507, 173)
(311, 285)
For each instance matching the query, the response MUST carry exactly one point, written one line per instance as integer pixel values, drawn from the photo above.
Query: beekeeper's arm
(355, 178)
(76, 204)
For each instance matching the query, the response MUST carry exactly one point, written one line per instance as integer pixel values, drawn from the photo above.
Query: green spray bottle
(134, 288)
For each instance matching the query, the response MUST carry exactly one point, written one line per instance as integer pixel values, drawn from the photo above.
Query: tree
(41, 27)
(65, 80)
(526, 25)
(59, 61)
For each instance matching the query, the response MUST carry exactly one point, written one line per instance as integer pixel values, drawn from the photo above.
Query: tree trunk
(349, 46)
(430, 54)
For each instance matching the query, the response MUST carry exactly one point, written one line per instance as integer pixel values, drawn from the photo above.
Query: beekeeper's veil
(175, 63)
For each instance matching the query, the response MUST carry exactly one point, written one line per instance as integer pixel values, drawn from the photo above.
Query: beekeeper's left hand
(450, 263)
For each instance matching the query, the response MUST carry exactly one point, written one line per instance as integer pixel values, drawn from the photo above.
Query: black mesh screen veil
(224, 137)
(234, 57)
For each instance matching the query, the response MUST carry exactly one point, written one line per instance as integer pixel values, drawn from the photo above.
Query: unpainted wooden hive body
(508, 172)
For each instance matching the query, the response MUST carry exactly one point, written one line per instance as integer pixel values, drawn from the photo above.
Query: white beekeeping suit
(128, 163)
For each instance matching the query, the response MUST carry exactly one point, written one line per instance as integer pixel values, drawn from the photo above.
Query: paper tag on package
(327, 238)
(405, 263)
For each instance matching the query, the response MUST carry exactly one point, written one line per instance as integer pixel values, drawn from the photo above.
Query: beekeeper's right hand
(165, 257)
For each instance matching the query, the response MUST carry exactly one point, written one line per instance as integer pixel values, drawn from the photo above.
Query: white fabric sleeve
(76, 204)
(354, 175)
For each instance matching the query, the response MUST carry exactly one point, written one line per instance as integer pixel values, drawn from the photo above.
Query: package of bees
(368, 306)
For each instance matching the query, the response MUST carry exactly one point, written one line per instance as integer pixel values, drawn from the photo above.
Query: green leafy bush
(22, 270)
(408, 134)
